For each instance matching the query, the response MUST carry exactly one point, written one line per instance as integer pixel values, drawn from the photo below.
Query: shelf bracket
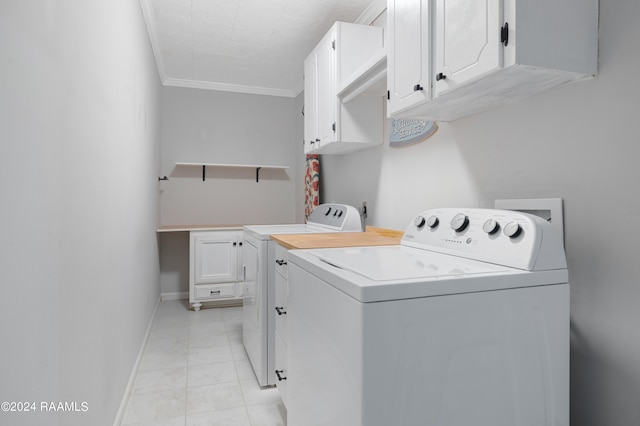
(258, 174)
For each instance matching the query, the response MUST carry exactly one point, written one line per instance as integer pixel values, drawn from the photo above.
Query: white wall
(79, 282)
(579, 143)
(203, 126)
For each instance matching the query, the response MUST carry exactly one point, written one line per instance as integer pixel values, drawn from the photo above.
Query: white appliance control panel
(340, 217)
(502, 237)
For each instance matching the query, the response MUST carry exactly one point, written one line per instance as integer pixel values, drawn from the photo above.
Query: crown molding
(225, 87)
(371, 13)
(147, 13)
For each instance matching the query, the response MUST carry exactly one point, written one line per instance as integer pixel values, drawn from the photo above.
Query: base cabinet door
(214, 266)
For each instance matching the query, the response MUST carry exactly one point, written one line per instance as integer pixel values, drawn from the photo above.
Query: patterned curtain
(311, 185)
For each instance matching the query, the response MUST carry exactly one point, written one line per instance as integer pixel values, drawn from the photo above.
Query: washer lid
(402, 263)
(374, 274)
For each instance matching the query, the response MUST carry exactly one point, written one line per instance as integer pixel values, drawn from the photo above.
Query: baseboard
(134, 370)
(175, 296)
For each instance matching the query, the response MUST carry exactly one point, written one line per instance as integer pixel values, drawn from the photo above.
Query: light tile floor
(195, 372)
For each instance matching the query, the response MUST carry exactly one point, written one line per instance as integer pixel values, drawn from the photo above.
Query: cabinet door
(326, 94)
(408, 64)
(216, 258)
(467, 43)
(310, 102)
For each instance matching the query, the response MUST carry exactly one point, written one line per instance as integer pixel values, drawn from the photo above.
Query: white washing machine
(258, 253)
(466, 322)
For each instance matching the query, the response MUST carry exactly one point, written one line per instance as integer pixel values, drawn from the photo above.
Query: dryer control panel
(340, 217)
(503, 237)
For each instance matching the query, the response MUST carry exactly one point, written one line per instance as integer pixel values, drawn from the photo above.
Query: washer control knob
(432, 222)
(339, 213)
(512, 229)
(491, 227)
(459, 222)
(419, 222)
(327, 212)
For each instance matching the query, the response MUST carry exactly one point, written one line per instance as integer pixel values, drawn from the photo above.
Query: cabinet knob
(280, 310)
(235, 244)
(504, 34)
(440, 76)
(417, 88)
(281, 262)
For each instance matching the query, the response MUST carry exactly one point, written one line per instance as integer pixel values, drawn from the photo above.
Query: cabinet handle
(504, 34)
(281, 262)
(235, 244)
(280, 310)
(244, 272)
(280, 378)
(214, 292)
(440, 76)
(240, 243)
(417, 88)
(312, 142)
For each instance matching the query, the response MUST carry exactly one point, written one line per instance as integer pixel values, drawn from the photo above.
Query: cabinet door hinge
(333, 126)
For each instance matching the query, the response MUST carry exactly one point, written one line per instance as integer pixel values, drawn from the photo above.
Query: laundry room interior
(115, 151)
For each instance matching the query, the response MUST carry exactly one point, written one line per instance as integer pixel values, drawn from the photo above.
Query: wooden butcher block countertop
(373, 236)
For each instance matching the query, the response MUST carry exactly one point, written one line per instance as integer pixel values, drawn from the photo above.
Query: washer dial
(491, 227)
(459, 222)
(512, 229)
(432, 222)
(419, 222)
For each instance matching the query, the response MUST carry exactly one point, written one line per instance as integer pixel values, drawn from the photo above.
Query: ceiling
(248, 46)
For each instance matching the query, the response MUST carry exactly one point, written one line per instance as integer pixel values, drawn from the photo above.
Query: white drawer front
(281, 260)
(282, 296)
(281, 368)
(217, 291)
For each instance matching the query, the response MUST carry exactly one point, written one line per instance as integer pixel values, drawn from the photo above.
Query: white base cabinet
(452, 58)
(214, 267)
(282, 300)
(331, 126)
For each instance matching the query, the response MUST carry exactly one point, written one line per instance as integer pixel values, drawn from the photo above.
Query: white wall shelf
(236, 166)
(370, 78)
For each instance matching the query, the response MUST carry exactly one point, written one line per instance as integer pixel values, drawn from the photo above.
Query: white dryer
(258, 252)
(466, 322)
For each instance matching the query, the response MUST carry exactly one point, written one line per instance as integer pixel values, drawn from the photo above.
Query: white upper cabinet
(332, 126)
(484, 53)
(325, 76)
(310, 102)
(467, 42)
(408, 55)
